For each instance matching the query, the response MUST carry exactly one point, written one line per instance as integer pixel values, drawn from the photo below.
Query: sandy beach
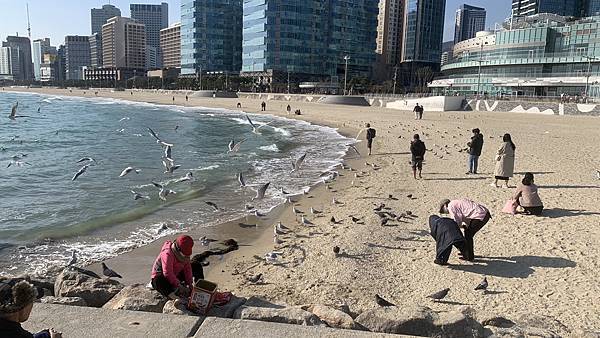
(544, 265)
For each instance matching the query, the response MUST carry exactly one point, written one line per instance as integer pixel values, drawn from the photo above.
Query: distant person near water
(16, 303)
(172, 271)
(417, 150)
(505, 161)
(416, 110)
(475, 147)
(289, 109)
(263, 106)
(239, 105)
(527, 196)
(371, 133)
(468, 215)
(421, 110)
(447, 234)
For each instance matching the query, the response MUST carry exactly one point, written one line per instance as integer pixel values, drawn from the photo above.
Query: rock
(137, 297)
(76, 282)
(532, 320)
(261, 302)
(332, 317)
(289, 315)
(73, 301)
(408, 320)
(520, 332)
(455, 324)
(586, 334)
(227, 310)
(177, 308)
(497, 321)
(45, 285)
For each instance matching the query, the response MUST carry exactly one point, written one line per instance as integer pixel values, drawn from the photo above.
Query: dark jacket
(417, 149)
(446, 233)
(371, 133)
(13, 330)
(476, 144)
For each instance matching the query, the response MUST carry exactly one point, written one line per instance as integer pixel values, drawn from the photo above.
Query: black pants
(537, 211)
(445, 255)
(164, 287)
(474, 226)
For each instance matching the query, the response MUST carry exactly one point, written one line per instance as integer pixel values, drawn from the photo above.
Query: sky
(57, 18)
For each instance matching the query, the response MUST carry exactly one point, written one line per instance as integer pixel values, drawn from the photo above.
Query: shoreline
(535, 265)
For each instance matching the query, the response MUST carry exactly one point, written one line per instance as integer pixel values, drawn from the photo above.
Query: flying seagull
(164, 192)
(382, 302)
(241, 180)
(17, 163)
(158, 140)
(86, 159)
(80, 172)
(13, 111)
(137, 196)
(256, 129)
(188, 177)
(168, 154)
(169, 166)
(296, 164)
(260, 193)
(483, 285)
(235, 147)
(439, 295)
(108, 272)
(128, 170)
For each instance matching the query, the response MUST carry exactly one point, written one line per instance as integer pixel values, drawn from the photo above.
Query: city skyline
(55, 23)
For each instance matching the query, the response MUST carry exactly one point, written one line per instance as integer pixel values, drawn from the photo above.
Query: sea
(45, 214)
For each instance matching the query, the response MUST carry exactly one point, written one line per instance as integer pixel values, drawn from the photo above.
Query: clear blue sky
(57, 18)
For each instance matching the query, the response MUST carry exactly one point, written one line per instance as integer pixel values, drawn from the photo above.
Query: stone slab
(232, 328)
(76, 321)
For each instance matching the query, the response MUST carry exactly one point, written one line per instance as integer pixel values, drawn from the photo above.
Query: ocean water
(44, 214)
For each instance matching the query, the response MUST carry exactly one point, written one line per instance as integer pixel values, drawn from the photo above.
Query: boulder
(533, 320)
(261, 302)
(289, 315)
(332, 317)
(76, 282)
(586, 334)
(408, 320)
(519, 332)
(45, 285)
(137, 297)
(497, 321)
(176, 307)
(455, 324)
(73, 301)
(227, 310)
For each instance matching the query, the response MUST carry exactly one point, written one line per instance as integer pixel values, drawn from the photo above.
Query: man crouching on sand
(172, 270)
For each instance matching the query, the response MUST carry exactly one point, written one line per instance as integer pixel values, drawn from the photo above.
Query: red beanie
(185, 244)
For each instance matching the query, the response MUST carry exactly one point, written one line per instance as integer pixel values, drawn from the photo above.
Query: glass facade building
(469, 20)
(310, 37)
(211, 36)
(574, 8)
(593, 8)
(423, 30)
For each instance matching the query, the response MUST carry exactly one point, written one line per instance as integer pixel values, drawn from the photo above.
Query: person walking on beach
(475, 147)
(505, 161)
(172, 270)
(263, 106)
(421, 110)
(370, 136)
(289, 109)
(416, 110)
(468, 215)
(186, 98)
(527, 196)
(173, 98)
(447, 234)
(417, 150)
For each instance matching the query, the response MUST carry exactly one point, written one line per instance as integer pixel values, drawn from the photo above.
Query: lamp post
(589, 68)
(479, 71)
(288, 87)
(346, 58)
(395, 76)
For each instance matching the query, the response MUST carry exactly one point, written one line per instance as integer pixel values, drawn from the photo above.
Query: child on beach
(468, 215)
(172, 270)
(417, 149)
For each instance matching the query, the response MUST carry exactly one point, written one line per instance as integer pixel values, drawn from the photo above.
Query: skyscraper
(9, 63)
(124, 44)
(423, 31)
(389, 30)
(469, 20)
(211, 35)
(561, 7)
(77, 55)
(99, 16)
(170, 46)
(155, 18)
(22, 47)
(96, 50)
(593, 8)
(40, 47)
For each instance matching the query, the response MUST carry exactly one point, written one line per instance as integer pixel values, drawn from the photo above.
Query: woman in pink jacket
(172, 271)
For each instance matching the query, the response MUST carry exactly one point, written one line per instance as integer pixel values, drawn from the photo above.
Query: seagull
(260, 193)
(214, 205)
(258, 214)
(13, 111)
(306, 221)
(296, 211)
(168, 156)
(256, 129)
(296, 164)
(439, 295)
(169, 166)
(598, 174)
(124, 119)
(80, 172)
(128, 170)
(276, 240)
(158, 140)
(314, 211)
(188, 177)
(334, 201)
(334, 221)
(109, 272)
(242, 180)
(255, 279)
(271, 257)
(73, 259)
(205, 241)
(235, 147)
(483, 285)
(280, 229)
(382, 302)
(355, 219)
(164, 192)
(137, 196)
(86, 159)
(380, 207)
(17, 163)
(283, 192)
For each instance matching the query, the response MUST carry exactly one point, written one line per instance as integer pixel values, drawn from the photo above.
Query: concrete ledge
(345, 100)
(210, 93)
(75, 321)
(232, 328)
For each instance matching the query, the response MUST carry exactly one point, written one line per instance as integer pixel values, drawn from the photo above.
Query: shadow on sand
(559, 213)
(513, 267)
(470, 178)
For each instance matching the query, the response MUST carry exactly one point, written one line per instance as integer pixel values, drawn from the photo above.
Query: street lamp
(395, 75)
(589, 68)
(480, 61)
(346, 58)
(288, 88)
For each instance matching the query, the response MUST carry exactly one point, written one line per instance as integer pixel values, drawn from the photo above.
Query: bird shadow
(535, 172)
(420, 233)
(559, 213)
(513, 267)
(246, 226)
(411, 239)
(455, 179)
(359, 257)
(449, 302)
(374, 245)
(493, 292)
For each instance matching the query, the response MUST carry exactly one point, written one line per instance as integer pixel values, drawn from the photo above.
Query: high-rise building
(170, 46)
(96, 50)
(22, 47)
(592, 8)
(155, 18)
(575, 8)
(9, 63)
(211, 36)
(389, 30)
(101, 15)
(49, 67)
(61, 63)
(77, 55)
(469, 20)
(423, 31)
(40, 47)
(123, 44)
(311, 39)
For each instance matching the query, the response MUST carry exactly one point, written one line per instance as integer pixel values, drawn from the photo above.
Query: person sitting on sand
(16, 302)
(468, 215)
(446, 233)
(417, 149)
(505, 162)
(527, 196)
(172, 271)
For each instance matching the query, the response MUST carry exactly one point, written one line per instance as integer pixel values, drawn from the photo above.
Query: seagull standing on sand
(108, 272)
(255, 279)
(158, 140)
(128, 170)
(255, 129)
(164, 192)
(305, 221)
(80, 172)
(297, 163)
(260, 193)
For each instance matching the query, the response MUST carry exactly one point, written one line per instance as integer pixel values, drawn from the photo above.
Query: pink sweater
(168, 265)
(464, 210)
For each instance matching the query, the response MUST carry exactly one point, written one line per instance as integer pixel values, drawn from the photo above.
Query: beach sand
(535, 265)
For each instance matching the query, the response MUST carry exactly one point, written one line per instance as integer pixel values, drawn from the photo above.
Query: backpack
(371, 133)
